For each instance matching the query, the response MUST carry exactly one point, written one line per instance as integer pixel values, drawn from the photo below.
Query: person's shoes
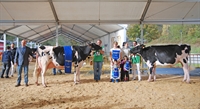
(96, 80)
(17, 85)
(2, 77)
(117, 80)
(11, 75)
(113, 80)
(59, 71)
(26, 85)
(7, 76)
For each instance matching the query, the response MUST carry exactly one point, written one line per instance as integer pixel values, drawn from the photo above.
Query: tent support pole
(141, 36)
(57, 35)
(4, 42)
(17, 42)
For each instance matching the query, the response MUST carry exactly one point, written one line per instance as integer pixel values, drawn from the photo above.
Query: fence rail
(194, 59)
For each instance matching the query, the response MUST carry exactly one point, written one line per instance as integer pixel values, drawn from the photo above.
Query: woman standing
(98, 62)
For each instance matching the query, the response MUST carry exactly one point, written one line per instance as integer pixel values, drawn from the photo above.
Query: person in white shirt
(126, 50)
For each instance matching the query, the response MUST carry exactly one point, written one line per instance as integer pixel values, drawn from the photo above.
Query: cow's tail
(189, 48)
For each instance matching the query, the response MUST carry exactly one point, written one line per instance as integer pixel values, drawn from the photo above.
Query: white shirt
(117, 49)
(126, 51)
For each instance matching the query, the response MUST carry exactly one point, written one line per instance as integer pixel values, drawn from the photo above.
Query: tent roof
(85, 20)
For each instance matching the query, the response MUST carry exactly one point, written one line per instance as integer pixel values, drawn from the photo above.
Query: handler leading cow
(164, 55)
(61, 57)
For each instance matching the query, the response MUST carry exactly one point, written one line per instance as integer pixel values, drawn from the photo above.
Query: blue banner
(115, 73)
(68, 59)
(127, 66)
(115, 54)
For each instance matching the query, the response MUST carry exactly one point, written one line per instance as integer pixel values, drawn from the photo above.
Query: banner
(68, 59)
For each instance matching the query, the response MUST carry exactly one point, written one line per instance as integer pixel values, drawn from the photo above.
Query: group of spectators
(16, 57)
(122, 62)
(8, 61)
(126, 63)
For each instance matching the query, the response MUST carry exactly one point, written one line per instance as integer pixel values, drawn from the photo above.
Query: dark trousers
(6, 67)
(124, 75)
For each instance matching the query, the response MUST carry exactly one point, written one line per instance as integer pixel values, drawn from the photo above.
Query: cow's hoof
(151, 80)
(37, 83)
(188, 81)
(44, 85)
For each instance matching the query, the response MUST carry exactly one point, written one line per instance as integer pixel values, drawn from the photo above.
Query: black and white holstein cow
(164, 55)
(54, 57)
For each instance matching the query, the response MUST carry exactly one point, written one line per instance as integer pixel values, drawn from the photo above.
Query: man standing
(98, 62)
(13, 51)
(22, 61)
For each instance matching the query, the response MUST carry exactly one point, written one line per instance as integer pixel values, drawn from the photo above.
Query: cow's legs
(154, 73)
(150, 75)
(37, 70)
(76, 76)
(77, 72)
(43, 78)
(37, 75)
(186, 72)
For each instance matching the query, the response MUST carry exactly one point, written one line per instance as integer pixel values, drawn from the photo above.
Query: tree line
(166, 33)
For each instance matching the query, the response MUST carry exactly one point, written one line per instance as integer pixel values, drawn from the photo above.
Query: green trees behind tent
(168, 33)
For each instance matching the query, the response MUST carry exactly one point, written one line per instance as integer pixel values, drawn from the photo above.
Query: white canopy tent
(86, 20)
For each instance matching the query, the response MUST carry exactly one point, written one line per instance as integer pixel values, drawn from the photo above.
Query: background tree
(133, 32)
(151, 32)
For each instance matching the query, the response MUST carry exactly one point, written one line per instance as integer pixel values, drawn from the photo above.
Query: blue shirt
(23, 49)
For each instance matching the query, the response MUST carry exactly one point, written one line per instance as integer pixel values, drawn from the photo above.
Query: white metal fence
(194, 59)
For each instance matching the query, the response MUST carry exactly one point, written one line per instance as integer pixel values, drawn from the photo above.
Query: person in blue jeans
(22, 62)
(6, 59)
(54, 71)
(98, 62)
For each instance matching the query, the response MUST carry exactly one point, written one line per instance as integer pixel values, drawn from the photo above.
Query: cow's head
(137, 49)
(94, 46)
